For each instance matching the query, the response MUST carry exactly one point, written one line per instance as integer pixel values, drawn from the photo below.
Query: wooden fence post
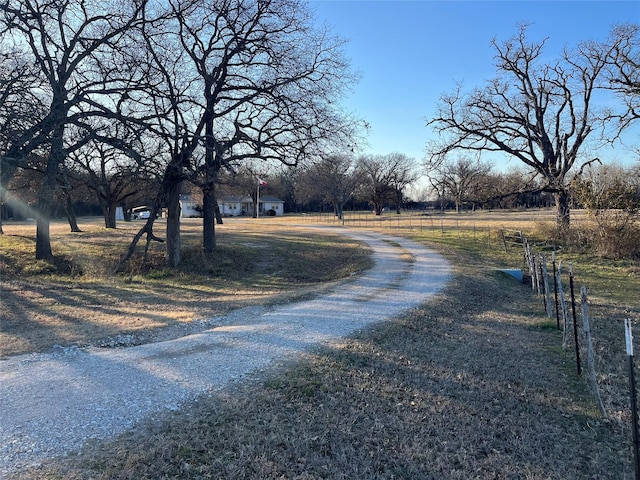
(555, 287)
(547, 292)
(538, 268)
(563, 305)
(529, 259)
(591, 362)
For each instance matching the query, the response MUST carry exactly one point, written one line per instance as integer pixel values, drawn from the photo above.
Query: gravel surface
(51, 403)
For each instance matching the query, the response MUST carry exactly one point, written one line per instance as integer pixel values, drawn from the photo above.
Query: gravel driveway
(51, 403)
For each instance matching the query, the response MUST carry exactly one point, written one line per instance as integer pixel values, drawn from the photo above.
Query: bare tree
(20, 107)
(402, 173)
(461, 178)
(241, 80)
(75, 46)
(110, 175)
(623, 72)
(542, 114)
(376, 186)
(332, 179)
(268, 82)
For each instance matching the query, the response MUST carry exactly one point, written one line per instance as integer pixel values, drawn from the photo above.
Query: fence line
(560, 302)
(535, 263)
(435, 223)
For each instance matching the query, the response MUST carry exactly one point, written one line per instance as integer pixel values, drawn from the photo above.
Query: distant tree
(377, 181)
(402, 173)
(110, 174)
(332, 179)
(540, 113)
(463, 178)
(283, 185)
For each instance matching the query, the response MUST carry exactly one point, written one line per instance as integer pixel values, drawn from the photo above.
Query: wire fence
(434, 223)
(550, 279)
(577, 329)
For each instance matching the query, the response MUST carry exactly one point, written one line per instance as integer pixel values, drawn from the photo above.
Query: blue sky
(410, 52)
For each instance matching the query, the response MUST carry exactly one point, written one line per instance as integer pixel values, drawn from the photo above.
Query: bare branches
(216, 83)
(623, 72)
(542, 114)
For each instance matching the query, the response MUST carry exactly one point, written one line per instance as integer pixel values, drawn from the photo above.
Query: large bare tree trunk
(174, 249)
(563, 218)
(208, 219)
(218, 215)
(110, 215)
(70, 212)
(46, 194)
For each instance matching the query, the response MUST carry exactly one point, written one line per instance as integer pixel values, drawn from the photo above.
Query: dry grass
(75, 300)
(473, 385)
(455, 389)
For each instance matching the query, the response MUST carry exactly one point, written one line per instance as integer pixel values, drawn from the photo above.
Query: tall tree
(376, 186)
(268, 80)
(20, 106)
(403, 173)
(110, 175)
(76, 49)
(461, 178)
(540, 113)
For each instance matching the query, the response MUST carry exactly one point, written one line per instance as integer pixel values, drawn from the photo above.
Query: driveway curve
(51, 403)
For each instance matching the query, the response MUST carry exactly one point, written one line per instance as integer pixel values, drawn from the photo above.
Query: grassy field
(473, 385)
(75, 299)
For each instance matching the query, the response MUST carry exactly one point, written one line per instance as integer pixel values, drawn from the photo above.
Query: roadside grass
(76, 300)
(474, 384)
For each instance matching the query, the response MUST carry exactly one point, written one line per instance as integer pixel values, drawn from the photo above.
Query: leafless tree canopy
(463, 179)
(385, 178)
(624, 71)
(214, 84)
(333, 179)
(540, 113)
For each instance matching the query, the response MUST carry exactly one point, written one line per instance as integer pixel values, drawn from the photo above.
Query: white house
(271, 204)
(189, 208)
(233, 206)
